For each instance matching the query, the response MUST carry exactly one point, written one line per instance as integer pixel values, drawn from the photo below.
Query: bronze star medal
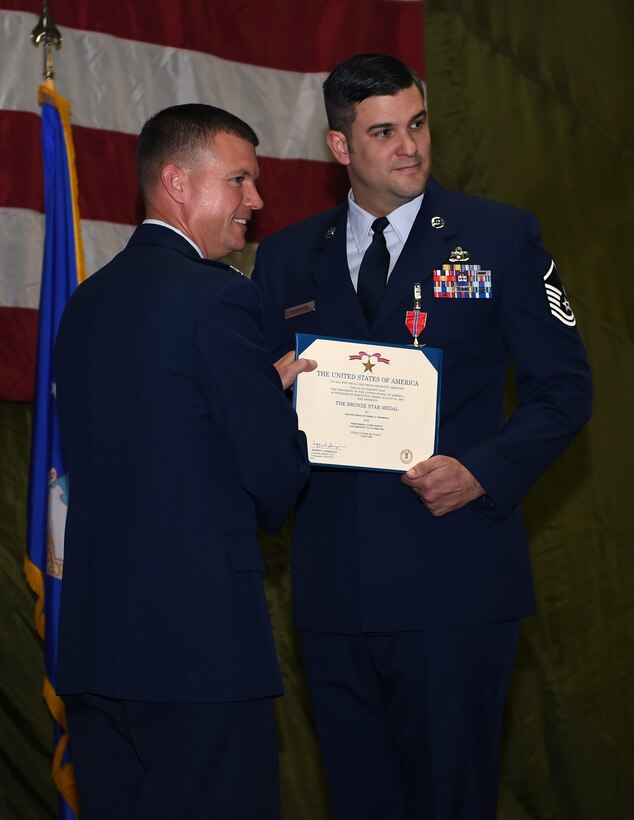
(415, 320)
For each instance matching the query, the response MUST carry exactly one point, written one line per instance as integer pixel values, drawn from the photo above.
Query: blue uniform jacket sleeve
(245, 393)
(552, 375)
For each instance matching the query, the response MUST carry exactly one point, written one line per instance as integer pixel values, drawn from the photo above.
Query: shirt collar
(401, 220)
(176, 230)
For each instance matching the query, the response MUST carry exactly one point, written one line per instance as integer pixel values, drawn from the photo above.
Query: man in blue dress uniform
(408, 589)
(180, 443)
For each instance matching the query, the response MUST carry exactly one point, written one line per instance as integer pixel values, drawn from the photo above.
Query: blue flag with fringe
(62, 270)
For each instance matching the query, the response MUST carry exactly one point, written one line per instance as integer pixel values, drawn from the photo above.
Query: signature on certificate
(325, 449)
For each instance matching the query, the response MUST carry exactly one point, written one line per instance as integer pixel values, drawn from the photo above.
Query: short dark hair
(360, 77)
(175, 132)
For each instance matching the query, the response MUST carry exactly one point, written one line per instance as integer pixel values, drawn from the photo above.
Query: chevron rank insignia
(557, 298)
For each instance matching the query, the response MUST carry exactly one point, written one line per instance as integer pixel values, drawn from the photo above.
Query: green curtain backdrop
(530, 103)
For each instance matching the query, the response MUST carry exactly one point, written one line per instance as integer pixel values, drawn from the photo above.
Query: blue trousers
(409, 723)
(164, 761)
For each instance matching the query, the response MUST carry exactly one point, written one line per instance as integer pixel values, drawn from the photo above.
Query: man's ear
(173, 182)
(338, 144)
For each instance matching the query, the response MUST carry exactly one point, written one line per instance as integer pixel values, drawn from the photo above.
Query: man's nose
(407, 145)
(252, 198)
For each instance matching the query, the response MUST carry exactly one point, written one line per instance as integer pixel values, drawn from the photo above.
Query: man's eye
(384, 132)
(418, 124)
(239, 180)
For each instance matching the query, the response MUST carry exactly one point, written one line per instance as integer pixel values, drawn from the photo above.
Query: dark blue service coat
(368, 556)
(180, 443)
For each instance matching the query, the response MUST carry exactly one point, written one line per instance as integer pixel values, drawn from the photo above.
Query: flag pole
(62, 269)
(47, 33)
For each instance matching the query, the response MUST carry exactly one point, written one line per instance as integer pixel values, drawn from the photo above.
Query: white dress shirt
(359, 233)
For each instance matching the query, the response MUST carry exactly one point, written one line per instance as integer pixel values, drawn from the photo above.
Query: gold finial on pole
(47, 32)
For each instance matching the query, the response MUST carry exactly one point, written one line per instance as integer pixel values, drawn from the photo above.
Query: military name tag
(462, 282)
(299, 310)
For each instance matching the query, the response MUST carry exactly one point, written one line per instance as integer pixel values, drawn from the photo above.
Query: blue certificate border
(433, 355)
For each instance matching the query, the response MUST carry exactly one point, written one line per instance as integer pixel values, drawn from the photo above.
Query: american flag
(119, 64)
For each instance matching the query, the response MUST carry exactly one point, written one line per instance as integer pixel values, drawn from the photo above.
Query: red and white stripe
(122, 62)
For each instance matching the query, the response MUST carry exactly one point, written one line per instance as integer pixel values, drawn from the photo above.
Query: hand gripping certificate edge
(432, 354)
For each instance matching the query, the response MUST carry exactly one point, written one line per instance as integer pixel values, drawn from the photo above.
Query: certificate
(369, 406)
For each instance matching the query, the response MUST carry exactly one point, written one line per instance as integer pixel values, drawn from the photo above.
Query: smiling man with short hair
(180, 444)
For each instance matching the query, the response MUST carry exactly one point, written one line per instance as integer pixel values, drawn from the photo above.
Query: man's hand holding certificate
(369, 406)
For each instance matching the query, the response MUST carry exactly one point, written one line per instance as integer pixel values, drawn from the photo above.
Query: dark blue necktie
(373, 270)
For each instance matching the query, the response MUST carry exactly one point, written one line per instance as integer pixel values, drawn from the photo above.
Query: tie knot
(380, 224)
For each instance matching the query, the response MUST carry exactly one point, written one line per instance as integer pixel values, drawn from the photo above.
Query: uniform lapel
(329, 267)
(427, 248)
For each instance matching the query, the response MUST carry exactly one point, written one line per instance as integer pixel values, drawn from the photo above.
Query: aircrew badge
(459, 255)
